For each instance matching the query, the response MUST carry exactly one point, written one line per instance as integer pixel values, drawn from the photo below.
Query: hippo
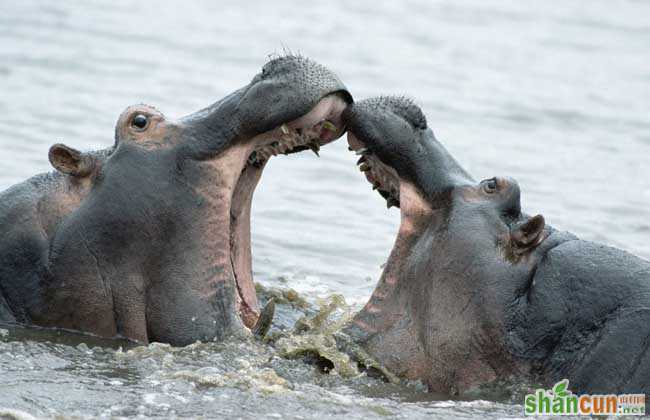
(475, 291)
(150, 240)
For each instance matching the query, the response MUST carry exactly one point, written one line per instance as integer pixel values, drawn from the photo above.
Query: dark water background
(555, 94)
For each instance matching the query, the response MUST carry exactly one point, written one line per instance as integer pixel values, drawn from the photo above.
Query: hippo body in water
(157, 245)
(30, 212)
(475, 291)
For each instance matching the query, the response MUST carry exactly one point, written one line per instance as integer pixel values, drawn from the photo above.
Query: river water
(555, 94)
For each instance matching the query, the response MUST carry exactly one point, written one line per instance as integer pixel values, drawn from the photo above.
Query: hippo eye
(140, 121)
(490, 185)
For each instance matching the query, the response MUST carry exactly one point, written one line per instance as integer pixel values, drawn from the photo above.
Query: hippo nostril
(140, 121)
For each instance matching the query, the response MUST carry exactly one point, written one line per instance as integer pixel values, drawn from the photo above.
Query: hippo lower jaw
(380, 313)
(311, 131)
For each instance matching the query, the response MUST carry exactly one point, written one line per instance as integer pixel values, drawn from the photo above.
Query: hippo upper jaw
(398, 150)
(401, 159)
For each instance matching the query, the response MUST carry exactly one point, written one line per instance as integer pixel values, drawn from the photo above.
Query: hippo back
(22, 245)
(586, 317)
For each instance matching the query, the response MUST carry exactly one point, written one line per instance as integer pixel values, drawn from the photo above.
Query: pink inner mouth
(318, 127)
(384, 308)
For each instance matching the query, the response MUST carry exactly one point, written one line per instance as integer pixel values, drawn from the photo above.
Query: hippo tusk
(328, 125)
(263, 324)
(315, 147)
(391, 202)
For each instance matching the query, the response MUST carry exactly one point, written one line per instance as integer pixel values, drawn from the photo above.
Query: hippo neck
(219, 229)
(385, 306)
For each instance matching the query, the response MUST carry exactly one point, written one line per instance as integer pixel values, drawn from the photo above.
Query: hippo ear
(528, 235)
(70, 161)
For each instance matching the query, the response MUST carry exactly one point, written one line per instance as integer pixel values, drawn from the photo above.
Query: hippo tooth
(391, 202)
(328, 125)
(362, 151)
(364, 167)
(286, 141)
(284, 129)
(263, 324)
(315, 147)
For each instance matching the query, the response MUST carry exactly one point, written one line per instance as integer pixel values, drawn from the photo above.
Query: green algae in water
(374, 368)
(282, 296)
(320, 347)
(319, 338)
(313, 338)
(323, 321)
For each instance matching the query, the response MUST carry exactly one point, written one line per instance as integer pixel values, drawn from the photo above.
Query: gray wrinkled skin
(30, 212)
(141, 246)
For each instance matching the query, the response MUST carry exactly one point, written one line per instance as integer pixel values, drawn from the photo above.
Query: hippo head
(463, 254)
(160, 247)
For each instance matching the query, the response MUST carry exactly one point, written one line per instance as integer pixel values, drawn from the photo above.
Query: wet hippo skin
(475, 291)
(150, 240)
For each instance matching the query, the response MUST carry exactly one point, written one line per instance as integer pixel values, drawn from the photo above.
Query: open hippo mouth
(318, 127)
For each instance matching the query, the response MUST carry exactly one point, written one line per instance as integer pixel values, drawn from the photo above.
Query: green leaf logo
(560, 388)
